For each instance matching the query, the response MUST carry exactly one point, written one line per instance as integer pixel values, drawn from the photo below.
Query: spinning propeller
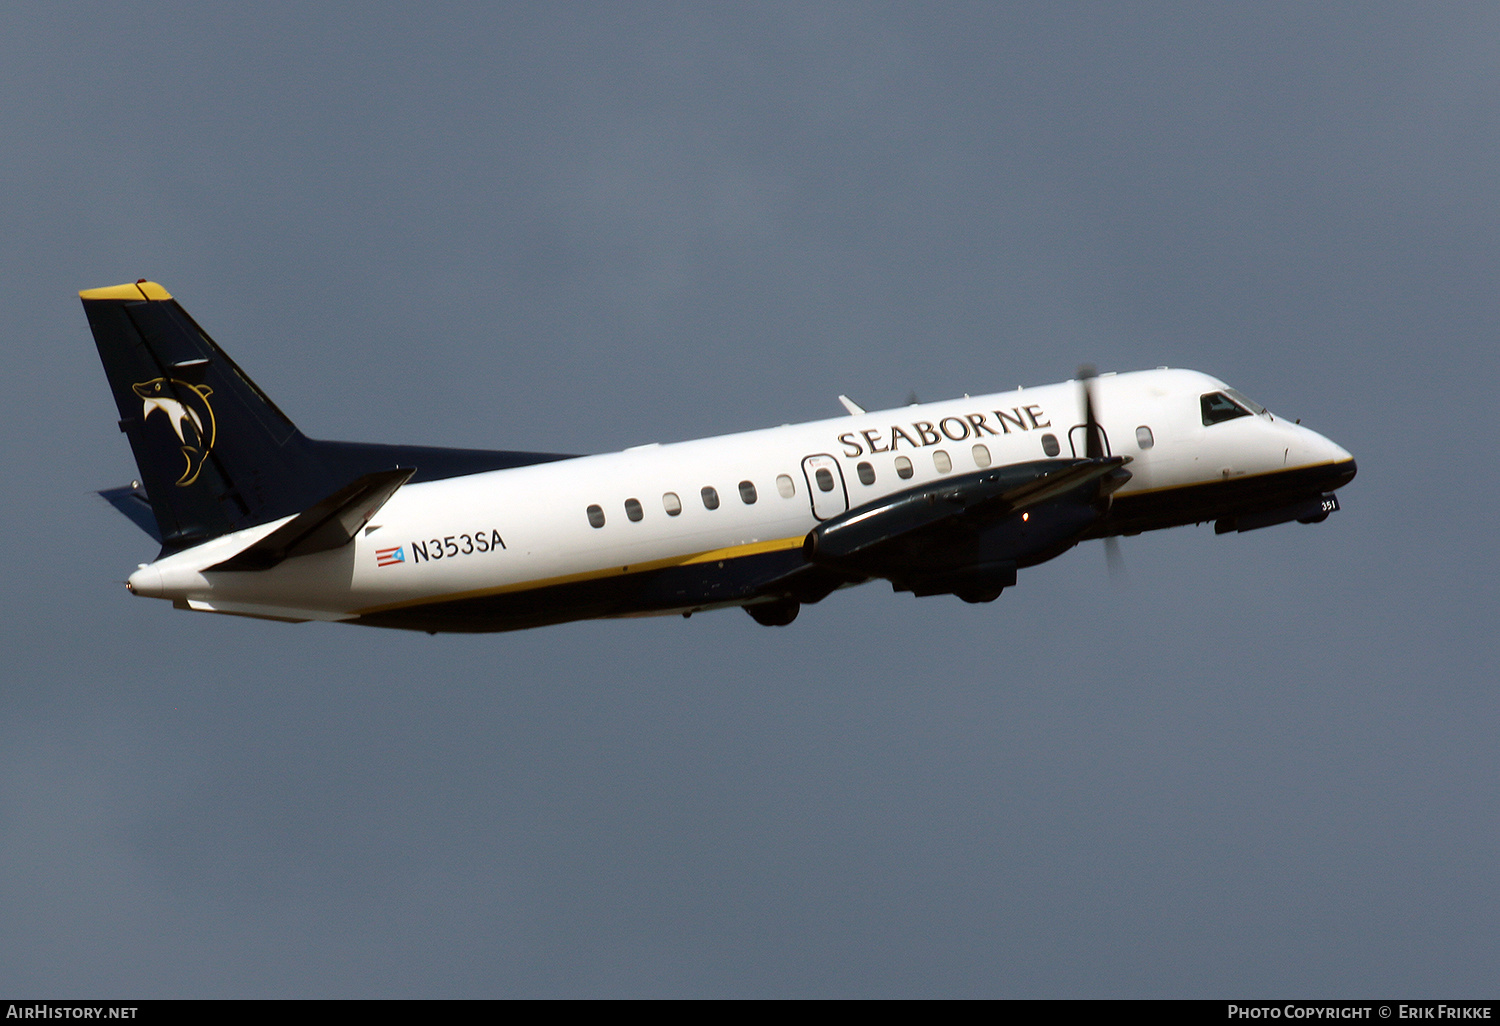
(1093, 448)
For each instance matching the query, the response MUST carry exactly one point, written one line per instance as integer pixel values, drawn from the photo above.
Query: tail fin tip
(136, 290)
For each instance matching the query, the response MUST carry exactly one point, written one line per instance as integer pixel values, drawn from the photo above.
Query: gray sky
(1263, 765)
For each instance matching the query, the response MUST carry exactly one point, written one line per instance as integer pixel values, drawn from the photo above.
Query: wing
(968, 534)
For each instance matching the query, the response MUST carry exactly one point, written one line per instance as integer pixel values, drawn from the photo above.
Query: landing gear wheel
(977, 596)
(774, 614)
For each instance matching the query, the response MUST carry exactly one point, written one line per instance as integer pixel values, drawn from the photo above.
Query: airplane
(942, 498)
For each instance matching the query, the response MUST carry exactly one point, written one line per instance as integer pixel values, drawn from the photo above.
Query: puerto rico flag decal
(390, 557)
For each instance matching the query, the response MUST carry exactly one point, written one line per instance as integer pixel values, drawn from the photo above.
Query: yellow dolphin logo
(190, 415)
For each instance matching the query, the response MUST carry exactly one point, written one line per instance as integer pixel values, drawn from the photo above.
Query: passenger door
(1078, 438)
(825, 486)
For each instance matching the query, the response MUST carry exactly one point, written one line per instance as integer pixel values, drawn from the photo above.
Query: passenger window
(824, 479)
(747, 492)
(710, 497)
(981, 455)
(903, 468)
(866, 473)
(1218, 407)
(596, 516)
(671, 503)
(1050, 446)
(633, 511)
(785, 486)
(942, 462)
(1143, 437)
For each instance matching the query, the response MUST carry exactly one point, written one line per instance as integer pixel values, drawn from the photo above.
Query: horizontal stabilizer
(131, 500)
(327, 524)
(264, 612)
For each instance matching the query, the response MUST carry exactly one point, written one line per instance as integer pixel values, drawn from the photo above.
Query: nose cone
(1345, 473)
(1339, 453)
(1313, 450)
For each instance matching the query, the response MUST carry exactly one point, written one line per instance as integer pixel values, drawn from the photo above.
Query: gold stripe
(733, 552)
(136, 290)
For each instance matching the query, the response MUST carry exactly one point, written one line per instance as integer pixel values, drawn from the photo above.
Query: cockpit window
(1245, 401)
(1218, 407)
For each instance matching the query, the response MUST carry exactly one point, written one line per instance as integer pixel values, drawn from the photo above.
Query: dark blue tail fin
(215, 454)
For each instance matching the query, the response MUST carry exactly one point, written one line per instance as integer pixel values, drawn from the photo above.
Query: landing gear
(975, 595)
(774, 614)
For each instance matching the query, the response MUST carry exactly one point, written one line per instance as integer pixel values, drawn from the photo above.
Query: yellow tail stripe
(136, 290)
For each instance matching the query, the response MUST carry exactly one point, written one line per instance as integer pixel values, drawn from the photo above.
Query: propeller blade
(1093, 435)
(1093, 444)
(1114, 557)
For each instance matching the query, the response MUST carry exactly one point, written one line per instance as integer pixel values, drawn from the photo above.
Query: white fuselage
(531, 528)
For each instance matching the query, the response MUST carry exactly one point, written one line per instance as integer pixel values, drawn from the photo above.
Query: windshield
(1245, 401)
(1218, 407)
